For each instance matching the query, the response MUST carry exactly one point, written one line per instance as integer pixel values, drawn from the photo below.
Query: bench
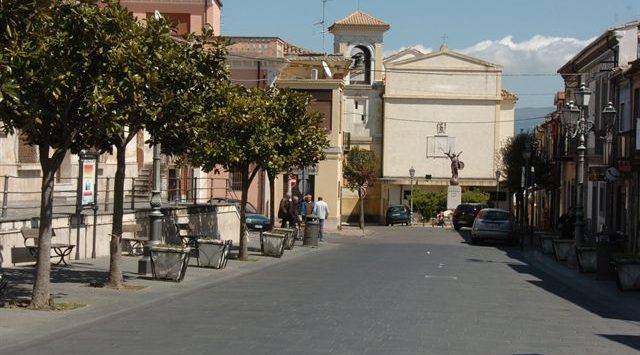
(189, 239)
(31, 235)
(132, 241)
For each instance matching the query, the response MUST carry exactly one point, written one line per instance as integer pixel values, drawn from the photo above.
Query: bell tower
(360, 37)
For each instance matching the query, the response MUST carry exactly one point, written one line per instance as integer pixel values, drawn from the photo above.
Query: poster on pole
(88, 182)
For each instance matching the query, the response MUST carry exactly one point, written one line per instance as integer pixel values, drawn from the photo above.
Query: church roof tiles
(360, 19)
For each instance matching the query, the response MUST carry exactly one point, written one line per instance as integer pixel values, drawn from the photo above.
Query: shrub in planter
(213, 252)
(587, 258)
(169, 261)
(272, 244)
(628, 272)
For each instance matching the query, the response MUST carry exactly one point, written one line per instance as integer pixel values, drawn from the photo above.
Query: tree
(299, 135)
(429, 203)
(360, 169)
(475, 196)
(155, 82)
(54, 68)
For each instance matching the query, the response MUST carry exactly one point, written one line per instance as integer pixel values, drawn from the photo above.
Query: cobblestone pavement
(399, 290)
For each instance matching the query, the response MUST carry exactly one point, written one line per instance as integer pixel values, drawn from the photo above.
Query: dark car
(398, 214)
(465, 213)
(254, 221)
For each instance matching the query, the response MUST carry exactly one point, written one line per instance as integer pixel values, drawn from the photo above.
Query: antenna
(323, 23)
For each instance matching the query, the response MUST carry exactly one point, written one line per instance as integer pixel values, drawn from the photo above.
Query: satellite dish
(327, 71)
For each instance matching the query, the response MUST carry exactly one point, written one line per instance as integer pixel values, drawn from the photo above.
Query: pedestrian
(283, 209)
(307, 207)
(566, 224)
(321, 211)
(294, 212)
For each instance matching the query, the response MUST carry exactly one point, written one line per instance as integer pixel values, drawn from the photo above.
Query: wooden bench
(132, 241)
(62, 250)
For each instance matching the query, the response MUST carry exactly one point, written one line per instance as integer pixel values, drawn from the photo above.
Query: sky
(524, 36)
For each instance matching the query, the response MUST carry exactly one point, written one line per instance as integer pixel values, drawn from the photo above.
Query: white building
(438, 103)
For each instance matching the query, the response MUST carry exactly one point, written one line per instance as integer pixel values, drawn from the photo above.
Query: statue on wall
(456, 165)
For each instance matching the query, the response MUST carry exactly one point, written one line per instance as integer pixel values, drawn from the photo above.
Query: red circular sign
(293, 180)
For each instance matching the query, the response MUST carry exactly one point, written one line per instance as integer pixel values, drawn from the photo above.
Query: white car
(495, 224)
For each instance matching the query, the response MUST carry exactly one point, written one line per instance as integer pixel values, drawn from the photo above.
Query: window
(235, 179)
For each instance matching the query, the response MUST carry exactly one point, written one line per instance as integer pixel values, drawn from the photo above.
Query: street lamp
(577, 126)
(412, 173)
(155, 217)
(498, 174)
(526, 155)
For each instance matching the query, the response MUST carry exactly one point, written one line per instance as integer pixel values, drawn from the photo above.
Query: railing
(20, 196)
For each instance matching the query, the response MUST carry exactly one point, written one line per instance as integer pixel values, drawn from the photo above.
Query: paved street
(401, 290)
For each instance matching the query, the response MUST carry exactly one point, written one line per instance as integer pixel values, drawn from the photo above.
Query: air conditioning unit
(314, 74)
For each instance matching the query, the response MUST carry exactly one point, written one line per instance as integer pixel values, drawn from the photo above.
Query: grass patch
(52, 307)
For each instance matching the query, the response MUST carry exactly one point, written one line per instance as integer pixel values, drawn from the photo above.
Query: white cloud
(537, 55)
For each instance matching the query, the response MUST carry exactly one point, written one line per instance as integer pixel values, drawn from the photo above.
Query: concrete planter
(213, 253)
(169, 263)
(546, 241)
(628, 274)
(289, 236)
(272, 244)
(562, 248)
(587, 258)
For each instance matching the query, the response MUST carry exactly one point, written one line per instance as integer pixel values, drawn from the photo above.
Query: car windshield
(396, 209)
(495, 215)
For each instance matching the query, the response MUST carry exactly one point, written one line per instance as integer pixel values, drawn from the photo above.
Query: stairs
(141, 185)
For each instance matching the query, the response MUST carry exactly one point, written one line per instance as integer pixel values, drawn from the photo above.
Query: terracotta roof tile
(358, 19)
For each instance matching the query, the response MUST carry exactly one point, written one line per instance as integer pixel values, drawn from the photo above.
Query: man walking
(321, 210)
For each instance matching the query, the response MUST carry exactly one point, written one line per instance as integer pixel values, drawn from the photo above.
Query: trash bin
(607, 243)
(311, 230)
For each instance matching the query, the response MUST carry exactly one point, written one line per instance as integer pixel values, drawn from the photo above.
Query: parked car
(496, 224)
(254, 221)
(398, 214)
(465, 213)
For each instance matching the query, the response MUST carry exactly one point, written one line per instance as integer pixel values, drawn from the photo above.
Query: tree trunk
(244, 250)
(41, 289)
(361, 200)
(272, 194)
(115, 245)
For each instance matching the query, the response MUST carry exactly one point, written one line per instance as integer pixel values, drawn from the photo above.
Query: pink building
(189, 15)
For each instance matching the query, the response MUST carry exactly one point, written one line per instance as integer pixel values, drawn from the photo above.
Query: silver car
(496, 224)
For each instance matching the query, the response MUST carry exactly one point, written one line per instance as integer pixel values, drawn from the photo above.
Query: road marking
(440, 266)
(441, 277)
(428, 252)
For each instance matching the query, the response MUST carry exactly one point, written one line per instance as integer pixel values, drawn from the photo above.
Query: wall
(218, 221)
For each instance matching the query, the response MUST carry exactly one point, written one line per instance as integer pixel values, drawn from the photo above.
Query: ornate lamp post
(526, 155)
(498, 175)
(155, 217)
(576, 125)
(412, 173)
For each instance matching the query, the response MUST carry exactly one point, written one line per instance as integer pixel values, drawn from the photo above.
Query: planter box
(628, 274)
(546, 241)
(587, 258)
(289, 236)
(272, 244)
(562, 248)
(169, 263)
(213, 252)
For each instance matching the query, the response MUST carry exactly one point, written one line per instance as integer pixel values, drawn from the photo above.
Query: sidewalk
(71, 285)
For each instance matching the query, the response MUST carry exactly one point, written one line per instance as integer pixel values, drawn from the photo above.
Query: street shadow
(21, 279)
(562, 288)
(555, 284)
(632, 341)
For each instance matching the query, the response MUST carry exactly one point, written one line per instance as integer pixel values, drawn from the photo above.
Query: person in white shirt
(321, 210)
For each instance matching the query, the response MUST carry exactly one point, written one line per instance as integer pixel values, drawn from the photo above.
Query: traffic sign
(293, 180)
